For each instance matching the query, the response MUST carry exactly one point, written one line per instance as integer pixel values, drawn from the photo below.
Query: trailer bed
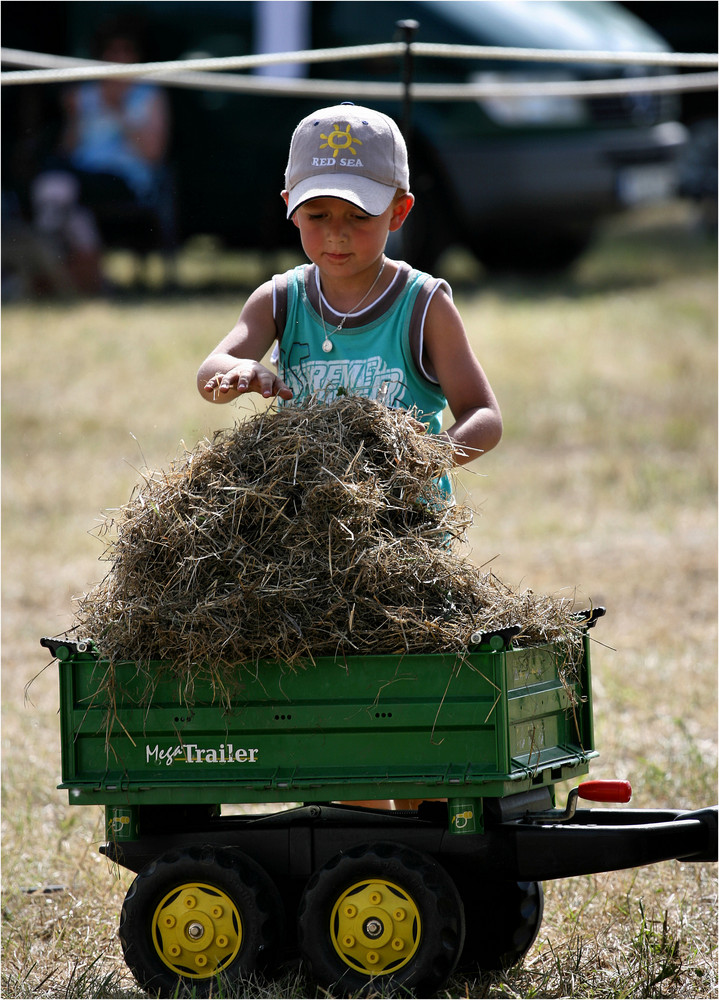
(486, 724)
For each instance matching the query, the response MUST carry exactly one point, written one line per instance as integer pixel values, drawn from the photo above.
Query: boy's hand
(248, 376)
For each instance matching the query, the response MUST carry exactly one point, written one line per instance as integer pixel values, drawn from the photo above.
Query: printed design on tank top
(370, 377)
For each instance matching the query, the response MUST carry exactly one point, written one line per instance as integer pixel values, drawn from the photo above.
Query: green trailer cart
(367, 896)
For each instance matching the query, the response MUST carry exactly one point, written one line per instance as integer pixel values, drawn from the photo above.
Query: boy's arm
(234, 368)
(477, 425)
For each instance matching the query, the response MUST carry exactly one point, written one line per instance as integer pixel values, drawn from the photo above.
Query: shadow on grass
(630, 254)
(647, 963)
(638, 250)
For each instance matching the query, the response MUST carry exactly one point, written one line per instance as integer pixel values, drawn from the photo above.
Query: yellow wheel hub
(196, 930)
(375, 927)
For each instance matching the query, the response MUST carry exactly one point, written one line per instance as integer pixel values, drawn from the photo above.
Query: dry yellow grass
(604, 483)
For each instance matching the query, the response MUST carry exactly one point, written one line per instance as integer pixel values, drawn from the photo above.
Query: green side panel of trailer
(412, 726)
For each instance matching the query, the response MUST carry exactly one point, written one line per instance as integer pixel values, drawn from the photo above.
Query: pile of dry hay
(309, 531)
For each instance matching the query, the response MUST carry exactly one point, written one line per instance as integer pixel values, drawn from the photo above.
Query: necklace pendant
(327, 343)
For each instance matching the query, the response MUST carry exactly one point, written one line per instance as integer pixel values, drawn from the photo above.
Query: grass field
(604, 486)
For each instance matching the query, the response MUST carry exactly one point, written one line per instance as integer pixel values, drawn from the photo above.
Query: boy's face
(342, 239)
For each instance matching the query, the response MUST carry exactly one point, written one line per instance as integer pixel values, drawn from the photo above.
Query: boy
(352, 318)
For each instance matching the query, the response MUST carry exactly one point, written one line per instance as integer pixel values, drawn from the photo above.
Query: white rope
(707, 59)
(66, 70)
(566, 88)
(355, 90)
(330, 89)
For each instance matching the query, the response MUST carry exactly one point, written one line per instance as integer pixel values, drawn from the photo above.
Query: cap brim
(371, 196)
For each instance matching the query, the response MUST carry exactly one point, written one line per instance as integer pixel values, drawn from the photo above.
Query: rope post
(407, 30)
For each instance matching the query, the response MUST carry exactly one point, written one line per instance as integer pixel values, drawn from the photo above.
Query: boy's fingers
(263, 381)
(280, 388)
(233, 380)
(272, 385)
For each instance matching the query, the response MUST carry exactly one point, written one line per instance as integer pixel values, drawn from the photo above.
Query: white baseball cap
(347, 152)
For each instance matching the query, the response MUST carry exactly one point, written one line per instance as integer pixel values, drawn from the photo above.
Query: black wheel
(431, 226)
(381, 916)
(197, 921)
(529, 250)
(502, 921)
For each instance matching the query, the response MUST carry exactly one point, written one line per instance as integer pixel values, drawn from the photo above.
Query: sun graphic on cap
(338, 139)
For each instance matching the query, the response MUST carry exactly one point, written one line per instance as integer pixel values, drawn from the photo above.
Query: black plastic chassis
(295, 843)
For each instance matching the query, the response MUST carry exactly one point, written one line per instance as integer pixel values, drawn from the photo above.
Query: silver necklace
(327, 343)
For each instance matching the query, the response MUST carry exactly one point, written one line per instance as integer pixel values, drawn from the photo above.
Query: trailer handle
(605, 791)
(599, 790)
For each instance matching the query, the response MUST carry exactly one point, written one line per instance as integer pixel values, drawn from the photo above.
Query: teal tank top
(377, 353)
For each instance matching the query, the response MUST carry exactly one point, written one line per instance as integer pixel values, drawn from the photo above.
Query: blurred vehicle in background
(692, 26)
(523, 183)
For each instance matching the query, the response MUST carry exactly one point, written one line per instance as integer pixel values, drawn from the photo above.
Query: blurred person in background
(109, 168)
